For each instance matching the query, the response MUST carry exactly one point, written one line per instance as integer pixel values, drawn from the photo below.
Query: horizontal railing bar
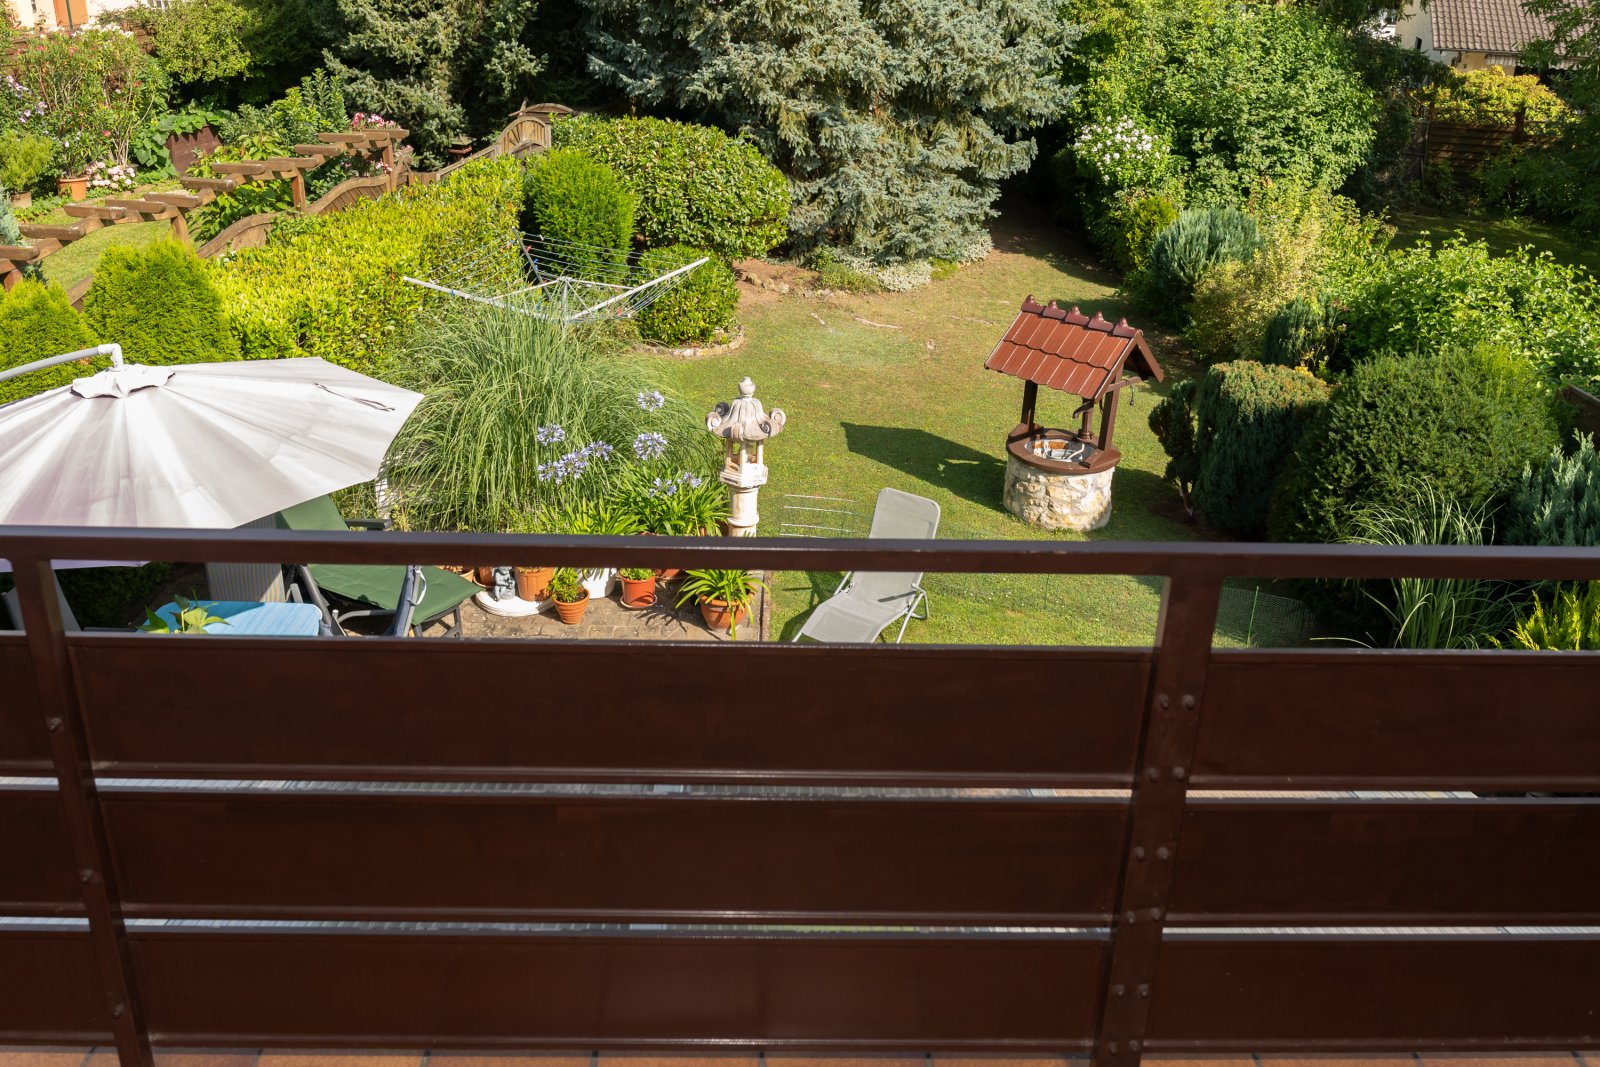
(1202, 560)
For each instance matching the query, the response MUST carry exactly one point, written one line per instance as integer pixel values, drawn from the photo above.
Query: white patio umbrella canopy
(204, 445)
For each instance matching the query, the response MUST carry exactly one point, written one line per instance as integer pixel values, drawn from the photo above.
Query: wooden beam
(215, 185)
(181, 201)
(326, 151)
(19, 253)
(1108, 419)
(94, 211)
(1030, 401)
(285, 164)
(64, 234)
(143, 208)
(252, 169)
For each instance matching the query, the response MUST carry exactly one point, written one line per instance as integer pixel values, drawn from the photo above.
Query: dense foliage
(485, 451)
(1198, 240)
(1569, 623)
(571, 199)
(1557, 502)
(333, 286)
(696, 307)
(158, 303)
(1460, 422)
(894, 122)
(1491, 97)
(37, 321)
(696, 185)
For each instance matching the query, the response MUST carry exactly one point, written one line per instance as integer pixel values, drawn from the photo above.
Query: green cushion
(377, 586)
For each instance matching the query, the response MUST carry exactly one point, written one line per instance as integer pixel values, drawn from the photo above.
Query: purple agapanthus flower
(650, 400)
(549, 435)
(598, 449)
(648, 446)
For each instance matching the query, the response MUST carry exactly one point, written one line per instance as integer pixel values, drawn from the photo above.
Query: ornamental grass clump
(522, 416)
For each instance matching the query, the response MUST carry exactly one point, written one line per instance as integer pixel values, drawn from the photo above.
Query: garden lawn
(77, 261)
(889, 390)
(1502, 235)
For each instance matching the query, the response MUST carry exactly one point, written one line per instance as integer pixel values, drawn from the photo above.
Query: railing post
(58, 698)
(1150, 853)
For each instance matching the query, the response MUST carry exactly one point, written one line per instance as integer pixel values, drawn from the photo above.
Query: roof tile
(1067, 350)
(1499, 27)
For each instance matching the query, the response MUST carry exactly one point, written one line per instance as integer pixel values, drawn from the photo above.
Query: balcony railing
(390, 843)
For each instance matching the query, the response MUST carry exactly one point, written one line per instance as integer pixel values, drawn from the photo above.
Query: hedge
(1248, 417)
(1462, 422)
(696, 185)
(568, 197)
(158, 303)
(333, 286)
(37, 321)
(697, 306)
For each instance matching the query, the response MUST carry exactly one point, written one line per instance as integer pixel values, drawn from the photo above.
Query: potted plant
(24, 157)
(724, 596)
(597, 518)
(638, 587)
(192, 617)
(533, 583)
(74, 186)
(571, 598)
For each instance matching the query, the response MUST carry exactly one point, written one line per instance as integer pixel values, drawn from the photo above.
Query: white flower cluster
(1121, 153)
(111, 175)
(973, 250)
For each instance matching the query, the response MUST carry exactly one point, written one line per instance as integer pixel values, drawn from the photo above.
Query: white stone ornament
(744, 426)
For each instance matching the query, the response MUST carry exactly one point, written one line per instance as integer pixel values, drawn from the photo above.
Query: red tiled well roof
(1069, 351)
(1499, 27)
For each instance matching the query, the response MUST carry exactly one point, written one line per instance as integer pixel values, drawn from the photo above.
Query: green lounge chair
(347, 591)
(868, 602)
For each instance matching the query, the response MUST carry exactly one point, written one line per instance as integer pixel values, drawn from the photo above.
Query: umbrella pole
(114, 351)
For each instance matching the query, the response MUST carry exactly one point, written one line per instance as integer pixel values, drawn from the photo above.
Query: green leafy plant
(148, 148)
(1434, 612)
(567, 586)
(159, 303)
(202, 42)
(1303, 333)
(1181, 254)
(1463, 423)
(1492, 97)
(835, 274)
(1172, 421)
(24, 159)
(636, 574)
(91, 91)
(334, 285)
(37, 321)
(1557, 502)
(663, 498)
(592, 518)
(1127, 230)
(696, 185)
(1571, 623)
(569, 197)
(735, 588)
(192, 617)
(697, 305)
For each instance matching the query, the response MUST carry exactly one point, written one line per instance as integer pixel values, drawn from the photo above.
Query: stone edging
(694, 353)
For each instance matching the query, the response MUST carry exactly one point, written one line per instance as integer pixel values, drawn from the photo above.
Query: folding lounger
(867, 603)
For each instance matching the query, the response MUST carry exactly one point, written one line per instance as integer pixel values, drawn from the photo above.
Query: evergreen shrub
(159, 304)
(1197, 240)
(702, 303)
(569, 197)
(1557, 502)
(37, 321)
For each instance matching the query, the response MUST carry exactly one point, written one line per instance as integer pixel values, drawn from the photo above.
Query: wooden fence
(611, 845)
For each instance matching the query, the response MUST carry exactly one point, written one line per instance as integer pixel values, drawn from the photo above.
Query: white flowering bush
(111, 177)
(1122, 154)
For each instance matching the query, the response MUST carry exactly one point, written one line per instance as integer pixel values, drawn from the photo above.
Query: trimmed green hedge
(158, 303)
(1248, 417)
(697, 306)
(1463, 423)
(696, 185)
(333, 286)
(37, 321)
(569, 197)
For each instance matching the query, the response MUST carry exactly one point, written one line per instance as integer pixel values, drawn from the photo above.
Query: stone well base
(1058, 500)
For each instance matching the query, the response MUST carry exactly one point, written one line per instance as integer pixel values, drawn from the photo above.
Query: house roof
(1069, 351)
(1501, 27)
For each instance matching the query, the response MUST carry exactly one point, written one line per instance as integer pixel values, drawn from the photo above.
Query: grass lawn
(76, 261)
(890, 390)
(1503, 235)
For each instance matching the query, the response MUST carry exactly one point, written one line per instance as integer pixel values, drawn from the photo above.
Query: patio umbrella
(204, 445)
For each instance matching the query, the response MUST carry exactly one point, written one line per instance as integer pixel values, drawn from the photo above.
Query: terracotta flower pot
(572, 613)
(720, 615)
(667, 574)
(638, 593)
(75, 188)
(486, 577)
(533, 583)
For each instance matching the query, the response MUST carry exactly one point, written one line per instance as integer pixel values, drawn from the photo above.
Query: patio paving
(607, 618)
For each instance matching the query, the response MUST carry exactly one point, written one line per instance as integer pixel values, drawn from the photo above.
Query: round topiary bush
(1301, 334)
(1197, 241)
(696, 185)
(158, 303)
(37, 321)
(569, 197)
(696, 307)
(1462, 423)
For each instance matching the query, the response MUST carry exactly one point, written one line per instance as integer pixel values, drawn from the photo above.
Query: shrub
(1459, 293)
(90, 91)
(1557, 502)
(1173, 422)
(111, 596)
(696, 185)
(1248, 417)
(835, 274)
(1571, 624)
(570, 198)
(316, 105)
(1463, 422)
(695, 307)
(36, 322)
(1302, 334)
(201, 41)
(1126, 231)
(486, 450)
(1181, 254)
(24, 158)
(1491, 97)
(158, 303)
(334, 286)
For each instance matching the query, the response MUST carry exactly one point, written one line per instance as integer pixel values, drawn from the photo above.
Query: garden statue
(744, 427)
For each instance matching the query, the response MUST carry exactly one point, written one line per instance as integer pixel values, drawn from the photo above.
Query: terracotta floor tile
(337, 1059)
(1381, 1059)
(678, 1059)
(1006, 1061)
(42, 1057)
(1512, 1059)
(480, 1059)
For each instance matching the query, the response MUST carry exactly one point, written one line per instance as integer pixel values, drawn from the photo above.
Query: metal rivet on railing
(1188, 701)
(1133, 1046)
(1138, 853)
(1180, 773)
(1131, 917)
(1164, 700)
(1119, 990)
(1163, 854)
(86, 876)
(53, 725)
(1155, 913)
(1144, 991)
(1152, 774)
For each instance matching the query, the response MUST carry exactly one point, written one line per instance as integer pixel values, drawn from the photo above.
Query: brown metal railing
(550, 844)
